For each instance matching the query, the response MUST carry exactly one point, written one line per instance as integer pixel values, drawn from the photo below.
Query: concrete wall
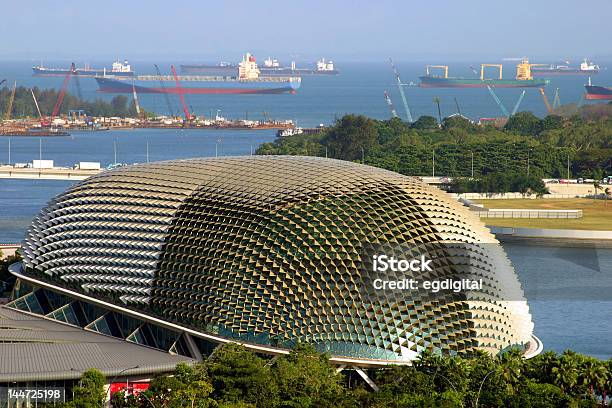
(520, 213)
(575, 189)
(507, 196)
(552, 233)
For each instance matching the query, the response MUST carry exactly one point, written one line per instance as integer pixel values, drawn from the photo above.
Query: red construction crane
(62, 93)
(180, 92)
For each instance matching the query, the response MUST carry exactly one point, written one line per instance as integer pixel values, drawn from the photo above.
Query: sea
(569, 290)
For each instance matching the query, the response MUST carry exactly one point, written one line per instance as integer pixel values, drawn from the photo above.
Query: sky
(349, 30)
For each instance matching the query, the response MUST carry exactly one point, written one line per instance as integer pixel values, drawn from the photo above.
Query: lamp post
(480, 388)
(115, 377)
(528, 152)
(433, 163)
(472, 152)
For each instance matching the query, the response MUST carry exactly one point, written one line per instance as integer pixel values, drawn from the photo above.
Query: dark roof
(34, 348)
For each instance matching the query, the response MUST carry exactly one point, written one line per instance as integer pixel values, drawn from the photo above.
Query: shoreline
(554, 237)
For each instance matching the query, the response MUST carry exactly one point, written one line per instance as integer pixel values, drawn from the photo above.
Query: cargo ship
(121, 69)
(585, 68)
(270, 67)
(595, 92)
(247, 81)
(220, 69)
(523, 78)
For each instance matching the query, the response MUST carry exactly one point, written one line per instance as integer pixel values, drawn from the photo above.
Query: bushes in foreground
(235, 377)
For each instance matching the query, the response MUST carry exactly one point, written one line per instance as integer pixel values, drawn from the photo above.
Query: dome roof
(269, 250)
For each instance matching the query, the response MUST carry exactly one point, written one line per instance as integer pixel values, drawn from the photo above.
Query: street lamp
(472, 152)
(528, 152)
(115, 377)
(480, 388)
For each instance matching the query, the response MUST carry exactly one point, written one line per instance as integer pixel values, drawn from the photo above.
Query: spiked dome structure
(267, 251)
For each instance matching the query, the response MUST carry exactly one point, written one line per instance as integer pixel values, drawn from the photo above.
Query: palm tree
(565, 374)
(592, 374)
(596, 186)
(512, 364)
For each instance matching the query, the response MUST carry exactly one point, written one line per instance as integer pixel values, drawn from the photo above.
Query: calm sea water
(568, 289)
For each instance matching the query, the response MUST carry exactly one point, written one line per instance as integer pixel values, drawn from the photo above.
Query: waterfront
(358, 89)
(572, 313)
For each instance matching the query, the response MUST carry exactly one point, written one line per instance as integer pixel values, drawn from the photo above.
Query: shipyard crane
(180, 92)
(556, 100)
(518, 103)
(437, 102)
(400, 86)
(546, 102)
(163, 89)
(62, 93)
(36, 104)
(135, 96)
(490, 89)
(390, 104)
(498, 101)
(457, 105)
(77, 84)
(9, 109)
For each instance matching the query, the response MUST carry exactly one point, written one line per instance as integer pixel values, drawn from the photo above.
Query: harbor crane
(36, 104)
(546, 102)
(490, 88)
(390, 104)
(3, 81)
(556, 100)
(136, 103)
(437, 102)
(163, 89)
(9, 109)
(457, 105)
(62, 93)
(180, 92)
(400, 86)
(518, 103)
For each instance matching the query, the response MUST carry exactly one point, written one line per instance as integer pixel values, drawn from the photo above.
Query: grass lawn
(597, 214)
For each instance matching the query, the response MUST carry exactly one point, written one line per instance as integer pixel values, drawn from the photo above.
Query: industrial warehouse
(175, 258)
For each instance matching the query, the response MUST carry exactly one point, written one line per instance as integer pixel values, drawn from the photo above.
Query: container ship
(248, 81)
(271, 67)
(523, 79)
(595, 92)
(585, 68)
(120, 69)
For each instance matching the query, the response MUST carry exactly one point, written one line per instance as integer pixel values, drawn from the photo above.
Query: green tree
(524, 123)
(238, 375)
(90, 391)
(306, 378)
(425, 122)
(458, 122)
(535, 395)
(351, 137)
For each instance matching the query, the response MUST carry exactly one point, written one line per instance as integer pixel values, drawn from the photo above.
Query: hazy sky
(348, 30)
